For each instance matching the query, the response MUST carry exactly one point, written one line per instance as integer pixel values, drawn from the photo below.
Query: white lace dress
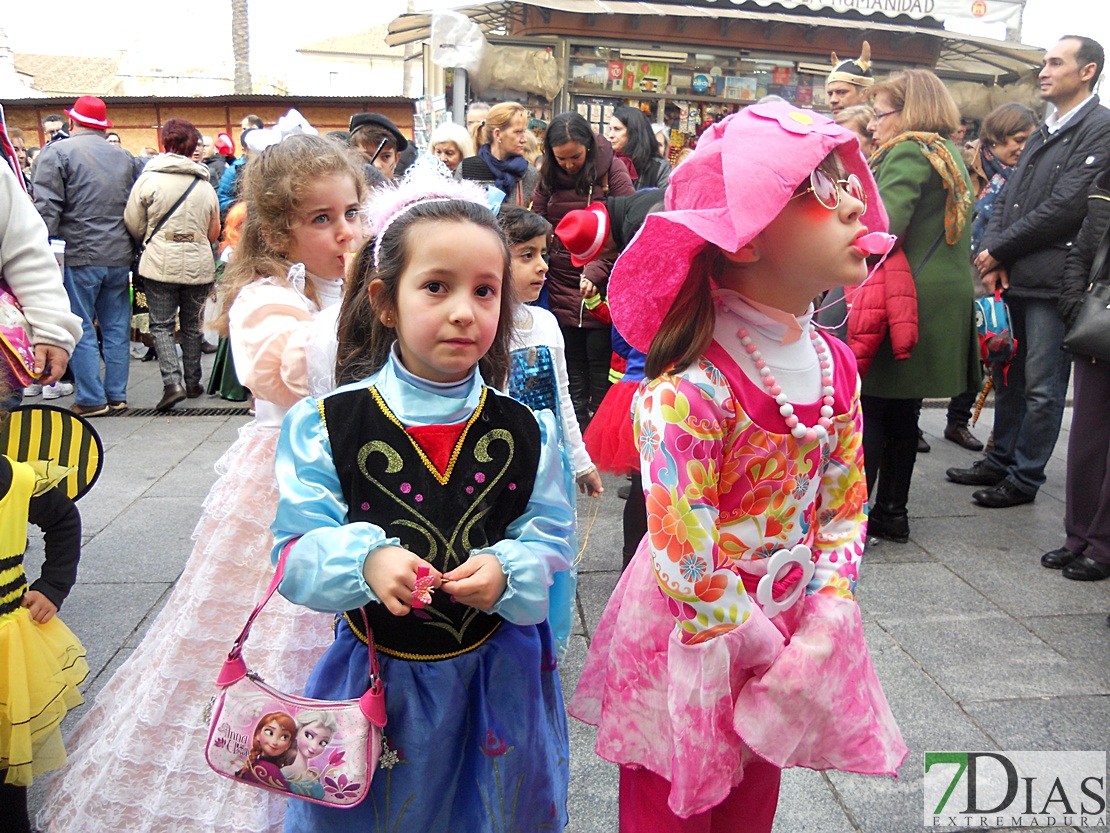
(136, 759)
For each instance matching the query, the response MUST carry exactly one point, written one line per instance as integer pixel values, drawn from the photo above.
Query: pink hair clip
(425, 586)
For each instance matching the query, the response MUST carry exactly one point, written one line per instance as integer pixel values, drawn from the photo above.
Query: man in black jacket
(1034, 225)
(81, 188)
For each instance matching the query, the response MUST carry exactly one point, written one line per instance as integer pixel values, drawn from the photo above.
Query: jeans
(164, 301)
(100, 294)
(1029, 400)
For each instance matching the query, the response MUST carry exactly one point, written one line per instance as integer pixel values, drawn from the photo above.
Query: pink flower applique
(406, 488)
(342, 788)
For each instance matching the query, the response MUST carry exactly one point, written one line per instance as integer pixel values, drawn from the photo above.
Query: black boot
(889, 518)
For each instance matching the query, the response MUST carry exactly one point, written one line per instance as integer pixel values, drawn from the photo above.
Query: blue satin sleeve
(323, 570)
(537, 544)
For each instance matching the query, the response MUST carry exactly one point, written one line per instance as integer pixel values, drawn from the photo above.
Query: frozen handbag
(324, 751)
(15, 339)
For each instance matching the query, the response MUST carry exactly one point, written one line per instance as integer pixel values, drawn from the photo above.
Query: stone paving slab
(976, 645)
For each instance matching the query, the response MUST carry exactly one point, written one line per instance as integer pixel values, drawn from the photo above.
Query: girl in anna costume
(438, 506)
(732, 646)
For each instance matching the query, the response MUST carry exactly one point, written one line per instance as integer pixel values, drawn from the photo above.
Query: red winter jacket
(886, 302)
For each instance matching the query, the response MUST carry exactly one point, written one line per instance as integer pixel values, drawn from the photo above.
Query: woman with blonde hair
(856, 118)
(500, 140)
(927, 194)
(451, 144)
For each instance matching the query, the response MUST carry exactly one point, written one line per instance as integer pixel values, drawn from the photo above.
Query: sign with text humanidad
(988, 11)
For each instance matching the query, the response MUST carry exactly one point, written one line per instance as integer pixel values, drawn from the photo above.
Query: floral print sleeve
(683, 427)
(841, 508)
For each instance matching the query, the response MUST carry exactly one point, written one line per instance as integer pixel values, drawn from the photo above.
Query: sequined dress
(538, 378)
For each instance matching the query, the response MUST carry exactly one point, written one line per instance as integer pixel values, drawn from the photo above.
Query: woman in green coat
(927, 194)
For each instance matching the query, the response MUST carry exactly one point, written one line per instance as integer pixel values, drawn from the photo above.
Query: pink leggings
(750, 808)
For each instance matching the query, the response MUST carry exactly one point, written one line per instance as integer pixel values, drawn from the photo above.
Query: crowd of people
(445, 345)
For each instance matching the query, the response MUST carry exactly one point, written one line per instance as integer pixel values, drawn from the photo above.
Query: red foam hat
(583, 232)
(225, 145)
(89, 111)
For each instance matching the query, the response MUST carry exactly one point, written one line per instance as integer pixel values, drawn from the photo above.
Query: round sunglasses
(827, 190)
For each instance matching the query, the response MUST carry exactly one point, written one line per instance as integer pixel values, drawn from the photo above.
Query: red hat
(583, 232)
(89, 111)
(225, 145)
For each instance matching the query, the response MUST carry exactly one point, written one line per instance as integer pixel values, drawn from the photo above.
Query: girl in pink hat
(732, 646)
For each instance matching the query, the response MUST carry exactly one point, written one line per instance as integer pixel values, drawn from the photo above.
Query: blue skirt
(481, 739)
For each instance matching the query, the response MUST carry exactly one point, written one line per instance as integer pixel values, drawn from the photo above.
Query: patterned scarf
(957, 205)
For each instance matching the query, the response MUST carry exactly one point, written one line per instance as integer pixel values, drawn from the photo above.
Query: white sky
(201, 36)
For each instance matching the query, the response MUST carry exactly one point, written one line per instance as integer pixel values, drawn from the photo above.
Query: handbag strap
(1099, 263)
(235, 656)
(928, 254)
(169, 213)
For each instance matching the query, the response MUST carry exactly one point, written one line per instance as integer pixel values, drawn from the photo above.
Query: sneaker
(117, 404)
(32, 390)
(91, 410)
(57, 390)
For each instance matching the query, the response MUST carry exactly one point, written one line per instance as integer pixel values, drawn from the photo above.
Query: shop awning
(961, 55)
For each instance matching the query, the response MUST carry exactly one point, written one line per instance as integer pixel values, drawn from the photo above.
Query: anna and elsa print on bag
(324, 751)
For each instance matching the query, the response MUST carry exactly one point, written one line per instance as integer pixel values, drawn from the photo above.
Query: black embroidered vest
(389, 481)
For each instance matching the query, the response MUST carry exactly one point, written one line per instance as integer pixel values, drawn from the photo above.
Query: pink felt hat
(738, 179)
(89, 111)
(583, 232)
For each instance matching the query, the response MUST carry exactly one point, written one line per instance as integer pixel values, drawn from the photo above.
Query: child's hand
(587, 287)
(391, 574)
(478, 582)
(42, 610)
(589, 483)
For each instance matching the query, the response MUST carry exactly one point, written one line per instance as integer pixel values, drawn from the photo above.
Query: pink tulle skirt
(610, 437)
(136, 759)
(798, 690)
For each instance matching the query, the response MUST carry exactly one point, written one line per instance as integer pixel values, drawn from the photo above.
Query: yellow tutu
(40, 669)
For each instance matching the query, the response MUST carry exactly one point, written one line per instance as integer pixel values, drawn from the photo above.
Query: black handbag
(1090, 334)
(136, 280)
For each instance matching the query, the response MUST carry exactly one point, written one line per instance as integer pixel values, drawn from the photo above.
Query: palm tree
(240, 46)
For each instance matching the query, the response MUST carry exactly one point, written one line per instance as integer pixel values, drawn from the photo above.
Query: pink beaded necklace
(797, 428)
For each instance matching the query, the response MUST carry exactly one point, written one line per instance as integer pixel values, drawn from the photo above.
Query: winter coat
(610, 180)
(885, 306)
(181, 251)
(1039, 212)
(30, 270)
(945, 361)
(216, 167)
(475, 169)
(81, 188)
(656, 174)
(1077, 269)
